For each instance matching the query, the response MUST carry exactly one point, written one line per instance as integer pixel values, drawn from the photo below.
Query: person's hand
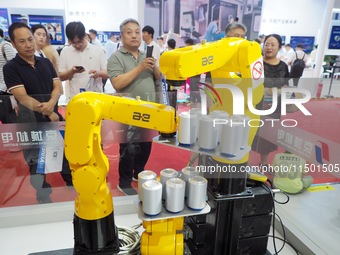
(16, 110)
(78, 69)
(94, 74)
(15, 106)
(53, 117)
(45, 108)
(148, 63)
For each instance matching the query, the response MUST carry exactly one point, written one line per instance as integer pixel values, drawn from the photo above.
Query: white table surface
(38, 228)
(313, 221)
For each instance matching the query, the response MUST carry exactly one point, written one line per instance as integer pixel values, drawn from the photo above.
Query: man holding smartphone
(81, 63)
(130, 71)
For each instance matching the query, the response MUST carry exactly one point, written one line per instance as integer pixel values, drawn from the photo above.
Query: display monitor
(54, 25)
(306, 41)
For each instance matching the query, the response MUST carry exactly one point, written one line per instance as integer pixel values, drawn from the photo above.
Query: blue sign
(17, 18)
(306, 41)
(4, 20)
(334, 40)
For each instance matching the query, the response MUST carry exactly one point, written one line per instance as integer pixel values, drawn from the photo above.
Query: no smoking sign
(257, 70)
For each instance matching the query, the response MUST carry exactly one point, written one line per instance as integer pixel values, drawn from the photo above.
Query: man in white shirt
(162, 46)
(147, 35)
(111, 45)
(81, 63)
(93, 34)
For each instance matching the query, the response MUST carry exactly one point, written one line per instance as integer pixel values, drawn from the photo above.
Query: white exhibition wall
(102, 15)
(108, 14)
(285, 17)
(293, 17)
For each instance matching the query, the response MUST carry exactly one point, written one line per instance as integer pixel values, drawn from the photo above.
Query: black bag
(297, 67)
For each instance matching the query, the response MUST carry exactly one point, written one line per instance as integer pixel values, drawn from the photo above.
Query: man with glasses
(82, 64)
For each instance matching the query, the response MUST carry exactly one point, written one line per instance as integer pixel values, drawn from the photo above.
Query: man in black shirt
(34, 83)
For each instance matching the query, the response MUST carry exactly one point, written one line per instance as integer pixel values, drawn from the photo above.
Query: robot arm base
(95, 236)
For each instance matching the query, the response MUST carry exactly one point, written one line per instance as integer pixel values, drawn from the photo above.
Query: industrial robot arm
(94, 227)
(222, 59)
(220, 231)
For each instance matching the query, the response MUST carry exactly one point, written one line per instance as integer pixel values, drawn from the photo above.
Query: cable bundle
(129, 240)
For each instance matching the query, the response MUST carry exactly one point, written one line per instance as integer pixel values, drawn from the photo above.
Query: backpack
(297, 67)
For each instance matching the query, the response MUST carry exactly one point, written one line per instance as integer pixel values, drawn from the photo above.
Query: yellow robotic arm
(94, 227)
(223, 59)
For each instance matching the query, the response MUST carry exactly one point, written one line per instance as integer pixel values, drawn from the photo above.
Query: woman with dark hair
(40, 35)
(276, 76)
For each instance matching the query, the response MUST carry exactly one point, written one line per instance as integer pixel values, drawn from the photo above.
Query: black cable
(272, 187)
(283, 233)
(271, 183)
(265, 186)
(273, 220)
(281, 239)
(285, 202)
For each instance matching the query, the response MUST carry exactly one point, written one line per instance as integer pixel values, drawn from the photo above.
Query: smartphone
(149, 50)
(80, 67)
